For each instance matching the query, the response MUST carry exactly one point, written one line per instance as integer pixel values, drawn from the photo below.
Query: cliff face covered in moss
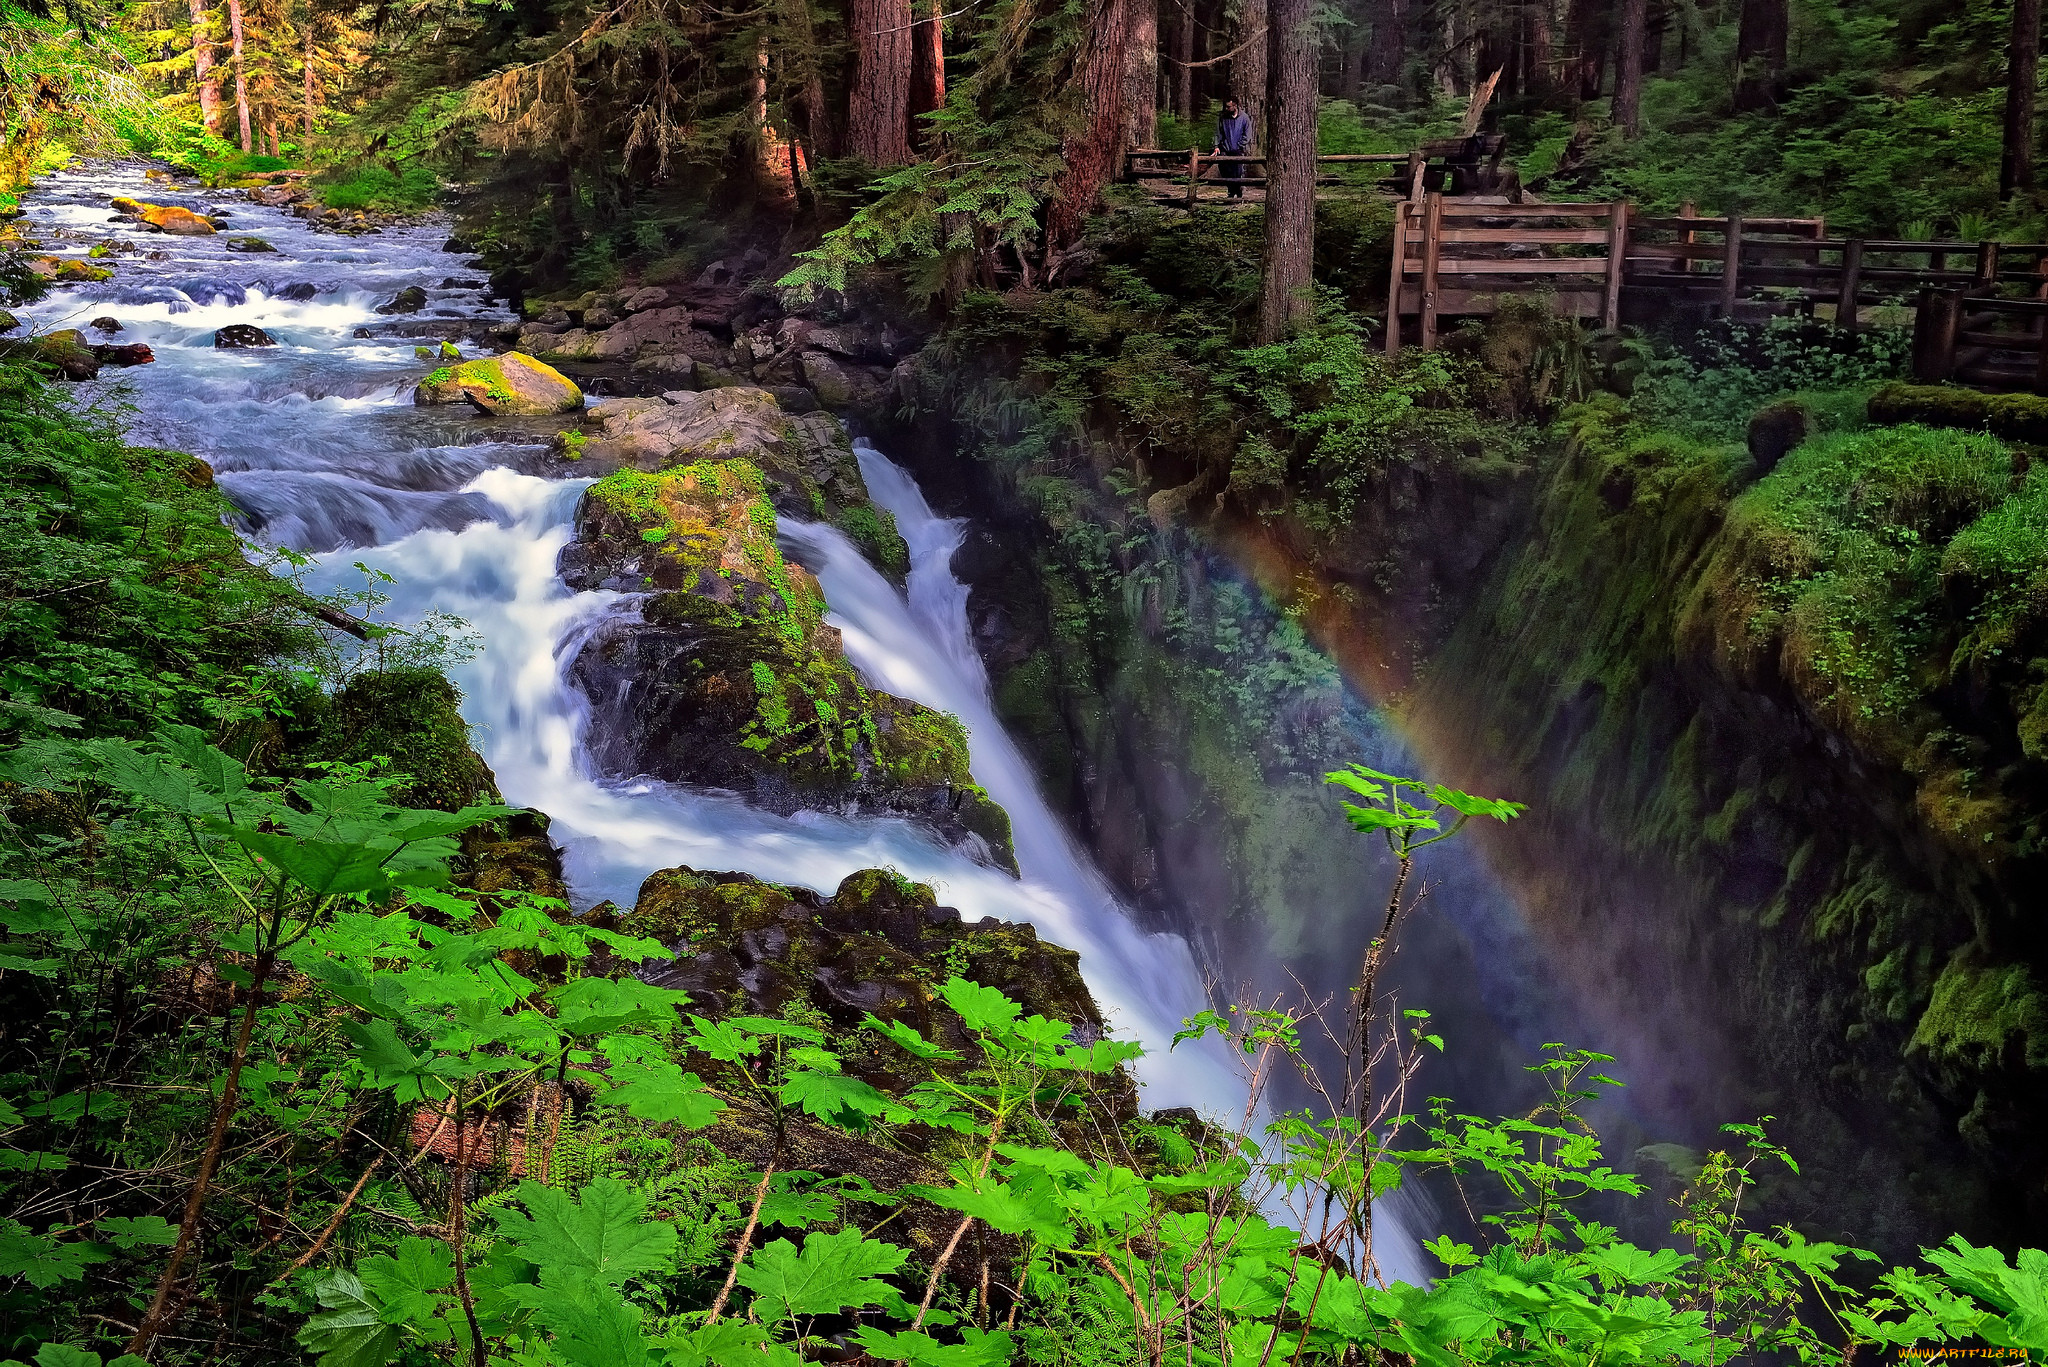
(1777, 734)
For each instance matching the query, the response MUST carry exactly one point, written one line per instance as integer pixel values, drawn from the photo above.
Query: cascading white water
(318, 443)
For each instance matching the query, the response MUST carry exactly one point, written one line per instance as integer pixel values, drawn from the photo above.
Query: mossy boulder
(66, 351)
(512, 385)
(169, 218)
(728, 676)
(879, 944)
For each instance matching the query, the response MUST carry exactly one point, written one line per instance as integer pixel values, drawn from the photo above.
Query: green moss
(2016, 417)
(874, 531)
(701, 515)
(412, 718)
(1986, 1014)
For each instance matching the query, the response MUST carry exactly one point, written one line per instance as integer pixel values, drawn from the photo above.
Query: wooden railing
(1187, 165)
(1457, 259)
(1972, 337)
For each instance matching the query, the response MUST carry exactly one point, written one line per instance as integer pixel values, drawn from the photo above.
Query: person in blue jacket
(1233, 139)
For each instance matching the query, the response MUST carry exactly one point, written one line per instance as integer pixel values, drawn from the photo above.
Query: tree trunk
(1183, 56)
(1092, 154)
(1141, 76)
(1541, 79)
(820, 132)
(878, 108)
(203, 75)
(1389, 42)
(1285, 304)
(241, 75)
(1760, 49)
(1628, 68)
(306, 137)
(2016, 162)
(1248, 70)
(927, 71)
(1585, 36)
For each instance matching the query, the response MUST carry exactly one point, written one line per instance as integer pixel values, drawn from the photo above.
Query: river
(318, 443)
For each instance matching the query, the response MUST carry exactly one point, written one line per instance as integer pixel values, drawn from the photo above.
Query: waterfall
(318, 444)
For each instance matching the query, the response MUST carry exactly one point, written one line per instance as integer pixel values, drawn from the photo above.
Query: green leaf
(728, 1343)
(44, 1260)
(833, 1097)
(322, 868)
(127, 1233)
(834, 1272)
(906, 1038)
(982, 1009)
(977, 1348)
(1465, 804)
(661, 1091)
(407, 1286)
(1003, 1207)
(590, 1323)
(65, 1355)
(351, 1331)
(601, 1236)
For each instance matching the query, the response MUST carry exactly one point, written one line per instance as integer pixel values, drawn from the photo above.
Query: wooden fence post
(1416, 163)
(2041, 361)
(1432, 248)
(1404, 213)
(1617, 262)
(1194, 173)
(1852, 283)
(1686, 265)
(1987, 263)
(1731, 265)
(1935, 324)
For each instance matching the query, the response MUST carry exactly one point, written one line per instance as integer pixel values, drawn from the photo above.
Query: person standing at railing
(1233, 139)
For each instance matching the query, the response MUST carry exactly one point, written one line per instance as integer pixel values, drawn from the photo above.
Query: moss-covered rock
(729, 678)
(169, 218)
(879, 944)
(511, 384)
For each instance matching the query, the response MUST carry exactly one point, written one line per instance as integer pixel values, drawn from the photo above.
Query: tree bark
(2023, 59)
(241, 75)
(1585, 34)
(1541, 79)
(1389, 42)
(878, 108)
(203, 75)
(927, 71)
(1760, 51)
(306, 137)
(1285, 304)
(1141, 76)
(1249, 69)
(1093, 153)
(1628, 68)
(1183, 55)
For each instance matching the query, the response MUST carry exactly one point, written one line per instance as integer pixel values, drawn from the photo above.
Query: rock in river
(728, 676)
(249, 244)
(167, 218)
(411, 299)
(242, 335)
(510, 384)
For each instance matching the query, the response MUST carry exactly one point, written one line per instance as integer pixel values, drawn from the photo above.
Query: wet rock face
(879, 944)
(167, 218)
(236, 335)
(727, 676)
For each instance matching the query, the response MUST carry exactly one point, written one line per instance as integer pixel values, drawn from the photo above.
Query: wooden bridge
(1460, 247)
(1980, 306)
